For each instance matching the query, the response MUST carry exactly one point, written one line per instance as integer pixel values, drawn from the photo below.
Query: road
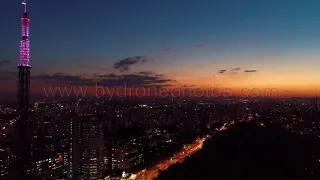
(189, 150)
(151, 173)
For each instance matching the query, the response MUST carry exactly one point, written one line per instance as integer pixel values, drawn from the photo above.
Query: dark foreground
(251, 151)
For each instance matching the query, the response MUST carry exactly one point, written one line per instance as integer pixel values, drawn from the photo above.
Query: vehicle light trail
(151, 173)
(188, 150)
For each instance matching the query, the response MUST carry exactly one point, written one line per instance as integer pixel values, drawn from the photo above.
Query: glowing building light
(25, 43)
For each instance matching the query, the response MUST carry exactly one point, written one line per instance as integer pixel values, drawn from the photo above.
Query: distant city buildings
(90, 139)
(71, 141)
(4, 164)
(124, 157)
(92, 148)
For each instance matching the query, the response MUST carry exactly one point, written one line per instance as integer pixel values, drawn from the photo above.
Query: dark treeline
(250, 151)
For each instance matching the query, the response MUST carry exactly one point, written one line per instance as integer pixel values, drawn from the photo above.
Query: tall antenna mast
(22, 141)
(25, 5)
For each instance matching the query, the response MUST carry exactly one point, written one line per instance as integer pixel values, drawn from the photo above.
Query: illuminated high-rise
(92, 151)
(22, 145)
(73, 154)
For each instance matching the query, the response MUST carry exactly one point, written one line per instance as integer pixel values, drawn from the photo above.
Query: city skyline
(136, 90)
(251, 44)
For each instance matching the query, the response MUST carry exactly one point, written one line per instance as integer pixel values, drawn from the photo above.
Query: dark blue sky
(67, 35)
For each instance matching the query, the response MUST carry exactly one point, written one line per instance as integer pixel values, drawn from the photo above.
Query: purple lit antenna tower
(24, 66)
(22, 146)
(24, 43)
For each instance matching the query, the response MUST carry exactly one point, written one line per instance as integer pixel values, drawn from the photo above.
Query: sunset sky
(212, 43)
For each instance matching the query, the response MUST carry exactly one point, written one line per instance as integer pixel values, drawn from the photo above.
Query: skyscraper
(73, 154)
(92, 151)
(22, 145)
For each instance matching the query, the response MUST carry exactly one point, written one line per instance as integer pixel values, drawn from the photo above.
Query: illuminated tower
(22, 145)
(24, 66)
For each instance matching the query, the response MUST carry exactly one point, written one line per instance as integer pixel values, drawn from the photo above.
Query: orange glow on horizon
(178, 91)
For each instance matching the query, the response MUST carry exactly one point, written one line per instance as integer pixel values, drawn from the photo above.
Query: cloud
(111, 75)
(124, 64)
(236, 69)
(141, 79)
(95, 67)
(167, 50)
(7, 74)
(159, 86)
(189, 86)
(148, 73)
(200, 46)
(5, 62)
(222, 71)
(64, 78)
(249, 71)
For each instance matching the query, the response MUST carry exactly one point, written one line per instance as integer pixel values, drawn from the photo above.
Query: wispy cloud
(93, 67)
(250, 71)
(222, 71)
(167, 50)
(125, 64)
(6, 75)
(111, 75)
(236, 69)
(148, 73)
(201, 46)
(5, 62)
(141, 79)
(63, 78)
